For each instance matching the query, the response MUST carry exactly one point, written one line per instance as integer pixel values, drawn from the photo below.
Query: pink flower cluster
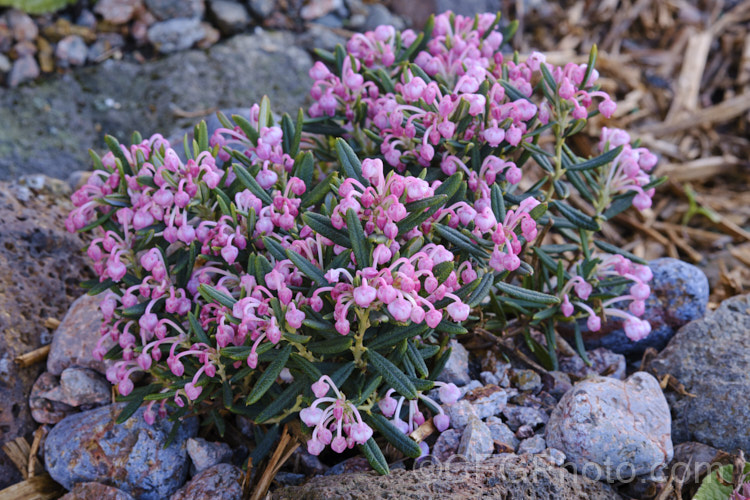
(340, 416)
(612, 266)
(390, 407)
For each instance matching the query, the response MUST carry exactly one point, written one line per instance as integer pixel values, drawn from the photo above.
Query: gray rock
(310, 464)
(460, 413)
(261, 9)
(319, 36)
(553, 456)
(476, 441)
(532, 445)
(467, 7)
(44, 410)
(379, 14)
(457, 368)
(289, 478)
(41, 267)
(353, 464)
(220, 482)
(117, 11)
(502, 434)
(610, 429)
(679, 294)
(98, 491)
(446, 445)
(526, 380)
(24, 69)
(518, 416)
(471, 386)
(489, 378)
(488, 400)
(105, 44)
(557, 383)
(76, 338)
(82, 386)
(230, 16)
(86, 19)
(507, 476)
(315, 9)
(71, 51)
(175, 34)
(205, 454)
(710, 357)
(57, 121)
(173, 9)
(24, 28)
(5, 64)
(603, 362)
(89, 446)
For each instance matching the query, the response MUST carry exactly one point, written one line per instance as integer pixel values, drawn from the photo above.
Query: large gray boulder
(51, 125)
(508, 476)
(711, 358)
(90, 446)
(613, 430)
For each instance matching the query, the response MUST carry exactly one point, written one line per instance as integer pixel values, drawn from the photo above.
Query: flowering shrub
(276, 269)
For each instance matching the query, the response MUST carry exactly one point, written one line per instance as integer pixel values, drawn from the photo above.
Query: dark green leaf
(269, 375)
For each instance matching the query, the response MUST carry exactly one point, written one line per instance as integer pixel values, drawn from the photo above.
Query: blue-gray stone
(89, 446)
(679, 294)
(457, 368)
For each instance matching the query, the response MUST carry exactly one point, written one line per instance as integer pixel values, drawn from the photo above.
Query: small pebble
(526, 380)
(476, 442)
(457, 368)
(446, 445)
(532, 445)
(71, 51)
(23, 27)
(460, 413)
(205, 454)
(24, 69)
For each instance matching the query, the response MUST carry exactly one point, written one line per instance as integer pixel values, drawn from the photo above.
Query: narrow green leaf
(349, 161)
(336, 345)
(401, 441)
(270, 375)
(528, 295)
(608, 247)
(374, 456)
(597, 161)
(250, 183)
(360, 244)
(322, 224)
(392, 374)
(211, 294)
(307, 268)
(576, 217)
(282, 401)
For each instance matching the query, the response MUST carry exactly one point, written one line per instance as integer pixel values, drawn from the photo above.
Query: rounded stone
(90, 446)
(611, 429)
(220, 482)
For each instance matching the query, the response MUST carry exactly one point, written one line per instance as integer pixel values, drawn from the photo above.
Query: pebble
(557, 383)
(261, 8)
(174, 9)
(476, 442)
(502, 434)
(71, 51)
(175, 34)
(517, 416)
(98, 491)
(229, 16)
(446, 445)
(83, 386)
(43, 410)
(24, 28)
(87, 19)
(116, 11)
(553, 456)
(710, 357)
(289, 478)
(460, 413)
(457, 368)
(353, 464)
(489, 378)
(532, 445)
(89, 446)
(24, 69)
(318, 36)
(76, 337)
(526, 380)
(5, 64)
(6, 35)
(488, 400)
(379, 15)
(319, 8)
(220, 482)
(205, 454)
(23, 49)
(609, 428)
(211, 36)
(105, 44)
(603, 362)
(310, 464)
